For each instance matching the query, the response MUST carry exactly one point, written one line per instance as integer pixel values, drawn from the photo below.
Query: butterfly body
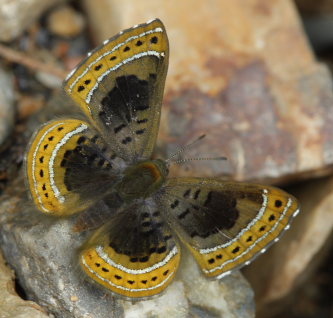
(142, 179)
(105, 164)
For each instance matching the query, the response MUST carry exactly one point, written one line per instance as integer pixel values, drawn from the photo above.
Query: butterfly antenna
(184, 148)
(198, 159)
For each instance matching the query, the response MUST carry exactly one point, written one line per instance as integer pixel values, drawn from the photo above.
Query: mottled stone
(16, 16)
(11, 305)
(7, 108)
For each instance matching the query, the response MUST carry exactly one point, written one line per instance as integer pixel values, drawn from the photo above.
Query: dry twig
(31, 63)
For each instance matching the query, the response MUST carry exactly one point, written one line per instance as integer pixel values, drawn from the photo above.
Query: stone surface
(16, 16)
(243, 76)
(280, 272)
(11, 305)
(43, 252)
(7, 108)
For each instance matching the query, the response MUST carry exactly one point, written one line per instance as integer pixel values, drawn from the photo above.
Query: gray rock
(43, 252)
(11, 305)
(7, 109)
(16, 16)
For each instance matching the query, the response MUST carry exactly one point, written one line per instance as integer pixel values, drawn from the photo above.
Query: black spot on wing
(129, 96)
(98, 67)
(183, 214)
(154, 40)
(278, 203)
(187, 193)
(142, 121)
(196, 194)
(218, 212)
(140, 131)
(119, 128)
(139, 233)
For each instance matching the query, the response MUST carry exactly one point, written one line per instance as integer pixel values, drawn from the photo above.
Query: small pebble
(74, 298)
(66, 22)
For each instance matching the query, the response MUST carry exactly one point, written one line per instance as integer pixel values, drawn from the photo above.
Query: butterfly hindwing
(134, 254)
(120, 88)
(69, 167)
(226, 224)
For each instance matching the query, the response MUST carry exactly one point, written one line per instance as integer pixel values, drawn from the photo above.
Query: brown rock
(243, 76)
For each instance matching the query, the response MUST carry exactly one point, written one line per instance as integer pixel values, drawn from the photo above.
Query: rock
(43, 252)
(7, 108)
(103, 11)
(66, 22)
(287, 265)
(249, 81)
(11, 305)
(16, 16)
(49, 80)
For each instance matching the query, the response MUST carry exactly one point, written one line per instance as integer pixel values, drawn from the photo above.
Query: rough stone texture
(11, 305)
(300, 251)
(43, 252)
(7, 109)
(244, 76)
(16, 16)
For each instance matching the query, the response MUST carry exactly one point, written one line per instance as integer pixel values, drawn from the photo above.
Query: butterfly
(104, 162)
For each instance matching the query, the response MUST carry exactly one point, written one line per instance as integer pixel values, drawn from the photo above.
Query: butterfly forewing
(120, 88)
(69, 167)
(226, 224)
(134, 254)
